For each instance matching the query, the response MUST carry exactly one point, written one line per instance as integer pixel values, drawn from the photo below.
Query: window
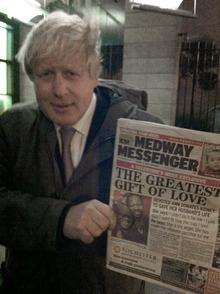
(9, 89)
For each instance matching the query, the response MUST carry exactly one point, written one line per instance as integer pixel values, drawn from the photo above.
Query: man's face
(214, 161)
(125, 221)
(63, 89)
(135, 204)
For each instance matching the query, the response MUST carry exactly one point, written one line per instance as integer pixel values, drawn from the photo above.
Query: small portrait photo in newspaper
(210, 165)
(132, 217)
(216, 258)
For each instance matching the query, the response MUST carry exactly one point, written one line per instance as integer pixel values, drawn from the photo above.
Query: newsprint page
(165, 193)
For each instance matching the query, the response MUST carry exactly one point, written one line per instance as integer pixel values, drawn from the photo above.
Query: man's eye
(45, 74)
(70, 74)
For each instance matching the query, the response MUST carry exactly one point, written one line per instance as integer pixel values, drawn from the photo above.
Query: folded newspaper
(165, 193)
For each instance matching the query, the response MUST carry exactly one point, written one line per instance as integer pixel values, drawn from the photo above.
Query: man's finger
(106, 210)
(86, 237)
(100, 219)
(94, 229)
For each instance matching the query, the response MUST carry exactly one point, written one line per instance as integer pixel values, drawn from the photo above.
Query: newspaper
(165, 194)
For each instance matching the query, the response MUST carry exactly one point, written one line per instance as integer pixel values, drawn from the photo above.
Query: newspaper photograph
(165, 193)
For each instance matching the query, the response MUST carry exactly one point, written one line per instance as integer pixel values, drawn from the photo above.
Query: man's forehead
(72, 61)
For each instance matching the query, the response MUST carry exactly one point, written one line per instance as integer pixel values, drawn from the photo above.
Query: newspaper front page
(165, 192)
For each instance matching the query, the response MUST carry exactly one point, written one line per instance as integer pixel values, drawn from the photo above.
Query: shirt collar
(83, 125)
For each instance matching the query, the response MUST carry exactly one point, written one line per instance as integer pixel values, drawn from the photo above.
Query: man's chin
(63, 121)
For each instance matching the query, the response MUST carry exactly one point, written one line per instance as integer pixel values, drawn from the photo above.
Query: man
(139, 230)
(213, 162)
(53, 220)
(124, 219)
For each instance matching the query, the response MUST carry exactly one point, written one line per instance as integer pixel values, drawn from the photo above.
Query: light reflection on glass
(5, 102)
(3, 79)
(3, 47)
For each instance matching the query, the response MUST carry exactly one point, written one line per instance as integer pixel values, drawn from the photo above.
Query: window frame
(13, 80)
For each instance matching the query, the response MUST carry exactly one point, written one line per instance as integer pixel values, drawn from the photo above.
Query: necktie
(67, 134)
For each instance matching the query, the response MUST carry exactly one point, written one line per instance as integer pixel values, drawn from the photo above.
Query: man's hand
(88, 220)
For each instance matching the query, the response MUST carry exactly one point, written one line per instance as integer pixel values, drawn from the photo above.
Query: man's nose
(59, 86)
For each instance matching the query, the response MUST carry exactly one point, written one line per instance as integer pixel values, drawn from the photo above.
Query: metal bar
(179, 12)
(202, 70)
(194, 8)
(215, 96)
(185, 91)
(6, 61)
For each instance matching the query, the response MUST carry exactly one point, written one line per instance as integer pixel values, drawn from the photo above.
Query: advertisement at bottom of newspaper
(166, 206)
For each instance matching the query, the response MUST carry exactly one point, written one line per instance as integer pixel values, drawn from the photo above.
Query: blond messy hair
(62, 35)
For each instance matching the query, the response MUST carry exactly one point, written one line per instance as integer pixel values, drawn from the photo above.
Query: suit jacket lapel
(49, 137)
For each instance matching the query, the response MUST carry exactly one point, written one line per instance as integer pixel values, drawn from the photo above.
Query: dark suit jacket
(33, 201)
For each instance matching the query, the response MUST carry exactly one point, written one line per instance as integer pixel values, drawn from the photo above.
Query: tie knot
(67, 134)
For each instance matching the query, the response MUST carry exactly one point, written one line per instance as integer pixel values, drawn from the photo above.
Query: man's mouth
(62, 107)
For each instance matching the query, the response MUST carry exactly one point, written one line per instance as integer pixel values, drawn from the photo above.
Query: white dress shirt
(82, 129)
